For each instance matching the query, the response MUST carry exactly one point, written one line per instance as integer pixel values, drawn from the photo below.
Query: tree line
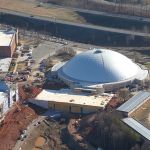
(109, 132)
(129, 7)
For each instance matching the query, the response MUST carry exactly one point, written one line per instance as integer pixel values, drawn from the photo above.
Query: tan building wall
(67, 107)
(7, 51)
(13, 45)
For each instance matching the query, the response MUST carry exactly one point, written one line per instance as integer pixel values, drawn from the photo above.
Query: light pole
(55, 26)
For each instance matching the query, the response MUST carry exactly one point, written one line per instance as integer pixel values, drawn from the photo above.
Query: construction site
(31, 126)
(62, 94)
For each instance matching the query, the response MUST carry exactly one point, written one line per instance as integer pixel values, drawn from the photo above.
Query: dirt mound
(40, 141)
(16, 120)
(76, 140)
(36, 148)
(28, 92)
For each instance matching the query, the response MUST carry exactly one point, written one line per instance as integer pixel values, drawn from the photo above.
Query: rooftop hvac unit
(100, 90)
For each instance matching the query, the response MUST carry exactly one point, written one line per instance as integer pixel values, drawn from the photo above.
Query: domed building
(100, 68)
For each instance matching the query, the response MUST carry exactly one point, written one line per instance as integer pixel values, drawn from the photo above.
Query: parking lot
(26, 60)
(45, 49)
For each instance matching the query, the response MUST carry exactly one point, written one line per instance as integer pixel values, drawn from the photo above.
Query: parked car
(29, 54)
(30, 57)
(23, 136)
(32, 61)
(37, 123)
(54, 115)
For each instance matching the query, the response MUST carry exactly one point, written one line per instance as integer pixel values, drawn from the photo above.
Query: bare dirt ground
(16, 121)
(46, 136)
(32, 7)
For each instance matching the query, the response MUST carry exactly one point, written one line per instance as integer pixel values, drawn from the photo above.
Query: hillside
(128, 7)
(107, 131)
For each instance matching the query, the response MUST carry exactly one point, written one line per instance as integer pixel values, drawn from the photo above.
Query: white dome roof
(100, 66)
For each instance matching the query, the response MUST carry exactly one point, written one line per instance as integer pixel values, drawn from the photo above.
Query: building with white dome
(100, 69)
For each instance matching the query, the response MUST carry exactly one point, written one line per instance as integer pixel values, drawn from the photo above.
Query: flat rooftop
(6, 37)
(4, 64)
(66, 96)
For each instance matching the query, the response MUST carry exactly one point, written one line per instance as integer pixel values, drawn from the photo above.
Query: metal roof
(137, 127)
(134, 102)
(100, 66)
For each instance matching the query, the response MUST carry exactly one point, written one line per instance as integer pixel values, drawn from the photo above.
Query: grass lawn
(147, 65)
(32, 8)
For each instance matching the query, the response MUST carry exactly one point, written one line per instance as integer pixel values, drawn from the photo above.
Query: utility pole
(55, 26)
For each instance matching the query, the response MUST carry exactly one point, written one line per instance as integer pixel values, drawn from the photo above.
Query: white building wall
(12, 94)
(5, 107)
(17, 93)
(8, 101)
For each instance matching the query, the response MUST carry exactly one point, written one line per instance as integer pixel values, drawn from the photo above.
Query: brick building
(8, 42)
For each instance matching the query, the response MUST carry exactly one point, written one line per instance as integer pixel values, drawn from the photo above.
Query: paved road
(45, 49)
(30, 128)
(75, 24)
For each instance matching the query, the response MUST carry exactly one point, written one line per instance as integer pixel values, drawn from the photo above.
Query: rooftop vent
(97, 51)
(72, 100)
